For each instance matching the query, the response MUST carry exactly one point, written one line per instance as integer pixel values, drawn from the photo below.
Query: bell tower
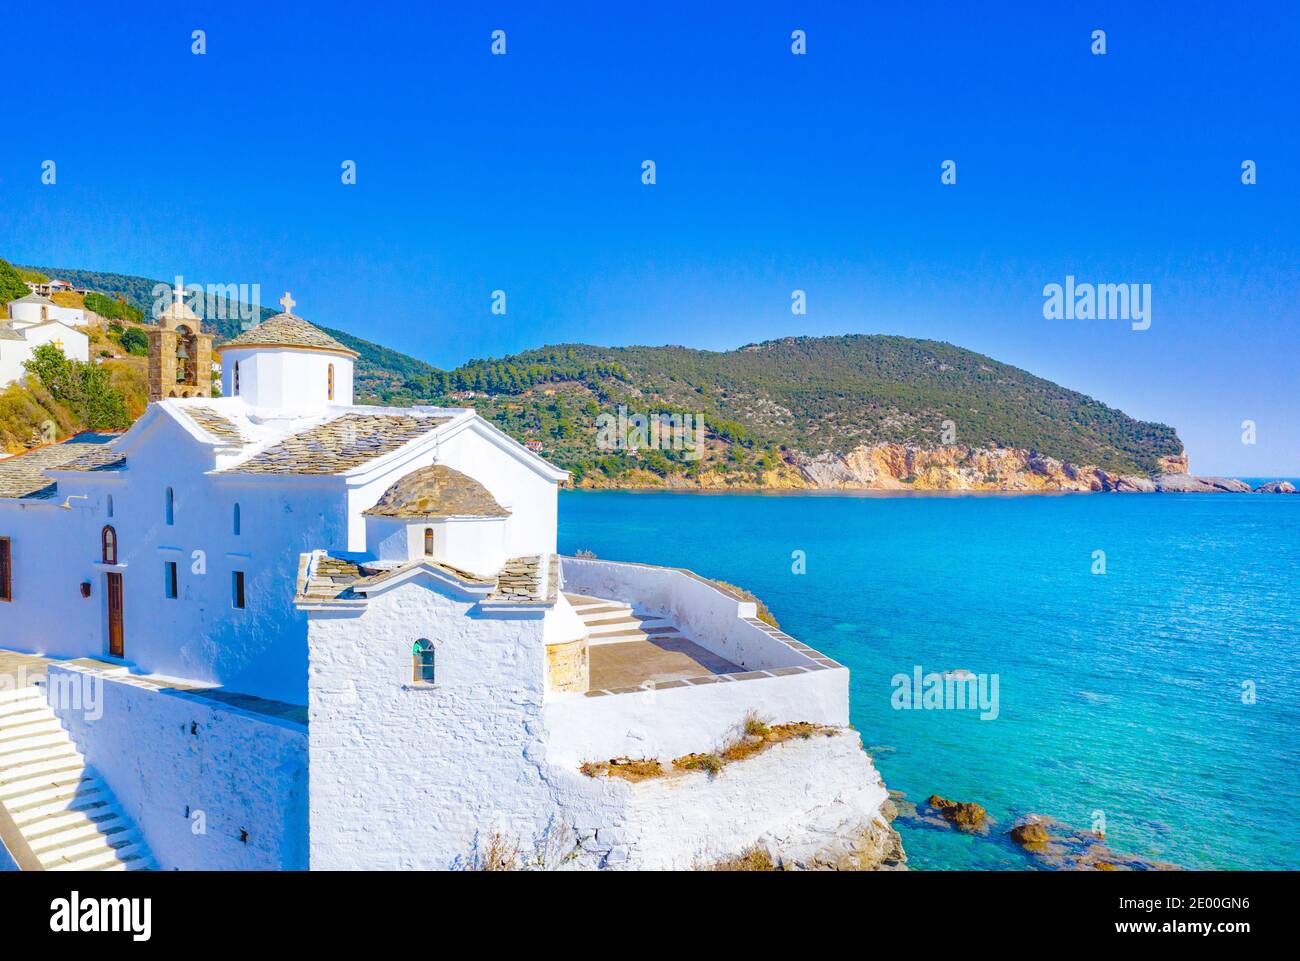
(180, 354)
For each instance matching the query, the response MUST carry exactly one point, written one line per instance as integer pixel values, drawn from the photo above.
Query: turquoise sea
(1119, 693)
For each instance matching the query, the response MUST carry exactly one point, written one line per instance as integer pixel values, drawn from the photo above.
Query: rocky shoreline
(955, 468)
(1053, 845)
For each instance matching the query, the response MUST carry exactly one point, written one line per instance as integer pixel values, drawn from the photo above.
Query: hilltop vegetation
(765, 405)
(11, 286)
(59, 397)
(380, 372)
(807, 394)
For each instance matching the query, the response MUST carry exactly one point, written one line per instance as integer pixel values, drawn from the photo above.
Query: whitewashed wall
(531, 499)
(13, 353)
(404, 776)
(259, 650)
(799, 798)
(286, 379)
(163, 752)
(73, 343)
(31, 313)
(668, 723)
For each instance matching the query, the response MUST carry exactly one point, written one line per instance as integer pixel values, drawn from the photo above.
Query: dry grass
(501, 854)
(753, 858)
(710, 764)
(754, 735)
(629, 769)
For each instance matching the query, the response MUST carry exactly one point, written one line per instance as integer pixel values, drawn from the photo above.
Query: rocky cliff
(955, 467)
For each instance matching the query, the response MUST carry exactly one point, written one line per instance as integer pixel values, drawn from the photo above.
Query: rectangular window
(169, 578)
(6, 571)
(237, 588)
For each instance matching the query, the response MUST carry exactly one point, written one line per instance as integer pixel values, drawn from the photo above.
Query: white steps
(613, 622)
(68, 818)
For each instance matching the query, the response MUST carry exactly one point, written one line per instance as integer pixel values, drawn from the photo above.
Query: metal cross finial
(288, 303)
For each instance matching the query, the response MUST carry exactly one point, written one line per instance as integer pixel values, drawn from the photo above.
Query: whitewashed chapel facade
(35, 320)
(340, 636)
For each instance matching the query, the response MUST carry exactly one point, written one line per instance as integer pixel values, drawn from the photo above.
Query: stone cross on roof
(178, 295)
(288, 303)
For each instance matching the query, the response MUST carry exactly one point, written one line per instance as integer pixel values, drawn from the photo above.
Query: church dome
(288, 330)
(437, 491)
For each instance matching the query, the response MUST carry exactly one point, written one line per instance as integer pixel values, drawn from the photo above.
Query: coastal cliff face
(904, 467)
(949, 468)
(954, 467)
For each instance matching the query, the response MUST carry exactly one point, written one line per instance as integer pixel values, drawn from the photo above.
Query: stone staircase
(65, 818)
(611, 622)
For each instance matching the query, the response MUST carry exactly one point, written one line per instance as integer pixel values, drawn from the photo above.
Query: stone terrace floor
(628, 650)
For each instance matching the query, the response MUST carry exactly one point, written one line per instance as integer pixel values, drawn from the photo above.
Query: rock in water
(1192, 484)
(962, 813)
(1276, 487)
(1030, 832)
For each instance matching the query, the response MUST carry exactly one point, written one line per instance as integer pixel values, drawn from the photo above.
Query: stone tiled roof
(288, 330)
(97, 457)
(338, 445)
(527, 580)
(437, 491)
(23, 475)
(34, 299)
(329, 578)
(7, 332)
(523, 580)
(213, 423)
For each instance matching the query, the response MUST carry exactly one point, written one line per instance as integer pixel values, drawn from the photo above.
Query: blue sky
(775, 172)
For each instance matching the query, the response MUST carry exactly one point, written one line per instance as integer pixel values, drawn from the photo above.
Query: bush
(135, 341)
(85, 389)
(113, 309)
(11, 284)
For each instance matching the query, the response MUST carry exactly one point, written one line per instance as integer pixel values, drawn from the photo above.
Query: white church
(279, 630)
(35, 320)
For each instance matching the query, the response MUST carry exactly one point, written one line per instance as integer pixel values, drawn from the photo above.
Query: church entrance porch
(116, 641)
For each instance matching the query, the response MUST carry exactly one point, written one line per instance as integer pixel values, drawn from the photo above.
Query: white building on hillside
(36, 309)
(341, 636)
(35, 320)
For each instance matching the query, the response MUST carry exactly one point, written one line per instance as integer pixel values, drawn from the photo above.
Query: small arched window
(169, 507)
(422, 662)
(330, 382)
(428, 542)
(108, 542)
(236, 378)
(235, 521)
(110, 505)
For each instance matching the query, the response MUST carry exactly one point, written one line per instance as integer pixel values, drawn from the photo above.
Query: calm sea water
(1120, 693)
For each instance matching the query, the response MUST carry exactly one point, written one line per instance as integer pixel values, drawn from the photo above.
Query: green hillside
(380, 371)
(809, 394)
(761, 402)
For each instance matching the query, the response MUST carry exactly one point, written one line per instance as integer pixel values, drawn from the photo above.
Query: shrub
(135, 341)
(85, 389)
(11, 284)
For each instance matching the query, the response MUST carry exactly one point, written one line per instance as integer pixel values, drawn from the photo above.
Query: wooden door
(116, 645)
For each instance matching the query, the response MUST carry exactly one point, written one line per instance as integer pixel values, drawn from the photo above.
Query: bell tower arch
(180, 354)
